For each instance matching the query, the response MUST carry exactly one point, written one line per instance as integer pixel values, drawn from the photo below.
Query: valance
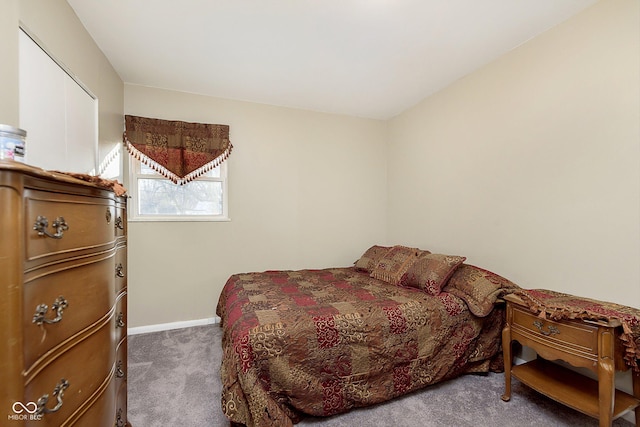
(179, 151)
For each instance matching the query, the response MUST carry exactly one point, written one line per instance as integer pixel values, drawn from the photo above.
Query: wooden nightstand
(581, 343)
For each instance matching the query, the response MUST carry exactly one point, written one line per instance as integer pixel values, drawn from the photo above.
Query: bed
(321, 342)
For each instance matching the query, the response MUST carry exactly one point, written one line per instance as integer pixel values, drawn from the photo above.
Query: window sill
(181, 219)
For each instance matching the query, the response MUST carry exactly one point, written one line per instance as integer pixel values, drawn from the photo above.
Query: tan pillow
(370, 258)
(431, 272)
(395, 263)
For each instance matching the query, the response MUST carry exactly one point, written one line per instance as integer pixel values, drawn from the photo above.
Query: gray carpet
(174, 381)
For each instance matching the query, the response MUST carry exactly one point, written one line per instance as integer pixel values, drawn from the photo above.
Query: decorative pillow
(431, 272)
(370, 258)
(478, 287)
(395, 263)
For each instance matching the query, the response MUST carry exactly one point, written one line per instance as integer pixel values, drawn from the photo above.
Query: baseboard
(173, 325)
(519, 361)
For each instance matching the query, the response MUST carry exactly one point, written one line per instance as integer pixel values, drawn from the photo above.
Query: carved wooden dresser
(63, 300)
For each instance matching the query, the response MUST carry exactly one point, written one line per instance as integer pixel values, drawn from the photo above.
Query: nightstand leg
(506, 353)
(606, 379)
(636, 393)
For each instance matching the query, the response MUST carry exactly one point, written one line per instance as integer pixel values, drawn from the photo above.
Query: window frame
(133, 210)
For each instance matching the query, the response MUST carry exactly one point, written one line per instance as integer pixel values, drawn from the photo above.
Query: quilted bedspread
(321, 342)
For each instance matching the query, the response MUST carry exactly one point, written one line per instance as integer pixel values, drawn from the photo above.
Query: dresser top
(63, 177)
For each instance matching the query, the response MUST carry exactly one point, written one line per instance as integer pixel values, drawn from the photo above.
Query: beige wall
(306, 190)
(56, 26)
(9, 18)
(530, 166)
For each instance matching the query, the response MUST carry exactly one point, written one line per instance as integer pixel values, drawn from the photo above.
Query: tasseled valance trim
(179, 151)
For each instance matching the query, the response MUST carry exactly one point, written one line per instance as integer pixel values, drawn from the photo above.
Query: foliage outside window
(156, 198)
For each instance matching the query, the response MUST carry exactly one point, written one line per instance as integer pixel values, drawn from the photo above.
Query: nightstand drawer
(575, 335)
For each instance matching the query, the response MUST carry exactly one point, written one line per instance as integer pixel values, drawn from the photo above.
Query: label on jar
(11, 149)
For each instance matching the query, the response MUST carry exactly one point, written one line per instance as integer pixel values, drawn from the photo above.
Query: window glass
(157, 198)
(163, 197)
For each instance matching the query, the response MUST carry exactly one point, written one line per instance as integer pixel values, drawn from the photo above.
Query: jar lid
(12, 130)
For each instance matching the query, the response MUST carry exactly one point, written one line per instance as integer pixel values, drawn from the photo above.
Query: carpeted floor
(174, 381)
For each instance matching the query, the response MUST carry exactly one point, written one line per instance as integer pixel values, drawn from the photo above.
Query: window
(185, 178)
(156, 198)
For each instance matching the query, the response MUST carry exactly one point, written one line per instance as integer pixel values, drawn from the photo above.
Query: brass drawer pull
(119, 223)
(119, 420)
(41, 310)
(119, 270)
(108, 215)
(119, 371)
(58, 392)
(59, 224)
(120, 320)
(552, 329)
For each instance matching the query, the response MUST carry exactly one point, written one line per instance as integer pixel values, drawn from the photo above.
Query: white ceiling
(367, 58)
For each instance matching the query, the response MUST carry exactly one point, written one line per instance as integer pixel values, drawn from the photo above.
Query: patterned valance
(179, 151)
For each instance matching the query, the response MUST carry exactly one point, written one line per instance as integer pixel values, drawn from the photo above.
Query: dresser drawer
(100, 414)
(90, 222)
(121, 269)
(576, 336)
(120, 220)
(84, 371)
(121, 317)
(87, 286)
(121, 384)
(121, 363)
(121, 406)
